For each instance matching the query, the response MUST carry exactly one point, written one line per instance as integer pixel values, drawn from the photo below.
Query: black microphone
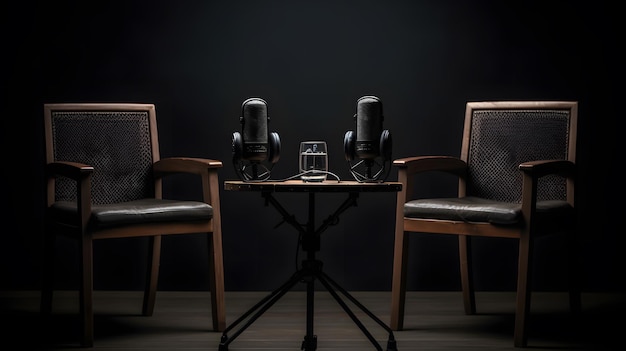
(254, 129)
(369, 125)
(370, 146)
(254, 144)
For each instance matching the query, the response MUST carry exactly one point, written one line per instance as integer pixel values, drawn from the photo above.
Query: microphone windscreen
(254, 129)
(368, 126)
(255, 122)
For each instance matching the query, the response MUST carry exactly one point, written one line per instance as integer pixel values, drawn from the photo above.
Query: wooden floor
(434, 321)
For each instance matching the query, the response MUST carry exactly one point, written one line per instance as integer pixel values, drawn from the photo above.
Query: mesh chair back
(501, 139)
(116, 143)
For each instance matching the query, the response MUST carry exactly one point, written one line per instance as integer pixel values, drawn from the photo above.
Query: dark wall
(311, 60)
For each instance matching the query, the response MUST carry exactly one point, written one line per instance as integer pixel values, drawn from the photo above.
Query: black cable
(313, 171)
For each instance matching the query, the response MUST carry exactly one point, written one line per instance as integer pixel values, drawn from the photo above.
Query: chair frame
(532, 171)
(206, 169)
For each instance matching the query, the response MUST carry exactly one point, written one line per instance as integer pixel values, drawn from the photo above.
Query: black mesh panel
(502, 139)
(116, 144)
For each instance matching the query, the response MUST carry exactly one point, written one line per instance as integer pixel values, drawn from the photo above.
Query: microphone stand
(362, 170)
(250, 172)
(368, 168)
(255, 170)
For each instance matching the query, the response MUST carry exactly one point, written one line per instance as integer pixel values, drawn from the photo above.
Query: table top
(301, 186)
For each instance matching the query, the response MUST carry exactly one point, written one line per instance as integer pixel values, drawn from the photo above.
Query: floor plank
(434, 321)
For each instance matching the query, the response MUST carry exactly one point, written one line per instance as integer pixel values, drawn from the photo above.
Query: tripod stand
(310, 271)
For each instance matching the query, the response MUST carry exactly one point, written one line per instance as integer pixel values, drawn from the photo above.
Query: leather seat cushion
(474, 209)
(136, 212)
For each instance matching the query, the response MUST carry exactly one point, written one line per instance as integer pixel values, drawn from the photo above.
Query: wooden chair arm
(541, 168)
(72, 170)
(79, 172)
(206, 168)
(532, 171)
(417, 164)
(184, 165)
(409, 167)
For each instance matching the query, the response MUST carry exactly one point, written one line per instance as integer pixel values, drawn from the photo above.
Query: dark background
(197, 61)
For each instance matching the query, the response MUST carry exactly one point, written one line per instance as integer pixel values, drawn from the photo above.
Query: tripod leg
(357, 303)
(350, 313)
(262, 306)
(331, 285)
(310, 340)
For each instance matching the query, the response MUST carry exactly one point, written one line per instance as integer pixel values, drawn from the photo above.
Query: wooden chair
(516, 177)
(104, 177)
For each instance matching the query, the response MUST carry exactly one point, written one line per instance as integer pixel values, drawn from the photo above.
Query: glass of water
(313, 161)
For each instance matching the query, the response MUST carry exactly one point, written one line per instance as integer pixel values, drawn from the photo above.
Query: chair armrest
(206, 168)
(533, 170)
(541, 168)
(417, 164)
(79, 172)
(184, 165)
(409, 167)
(73, 170)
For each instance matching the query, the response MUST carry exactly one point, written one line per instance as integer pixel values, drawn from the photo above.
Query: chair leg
(86, 290)
(574, 272)
(48, 273)
(152, 275)
(398, 287)
(216, 281)
(522, 309)
(467, 276)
